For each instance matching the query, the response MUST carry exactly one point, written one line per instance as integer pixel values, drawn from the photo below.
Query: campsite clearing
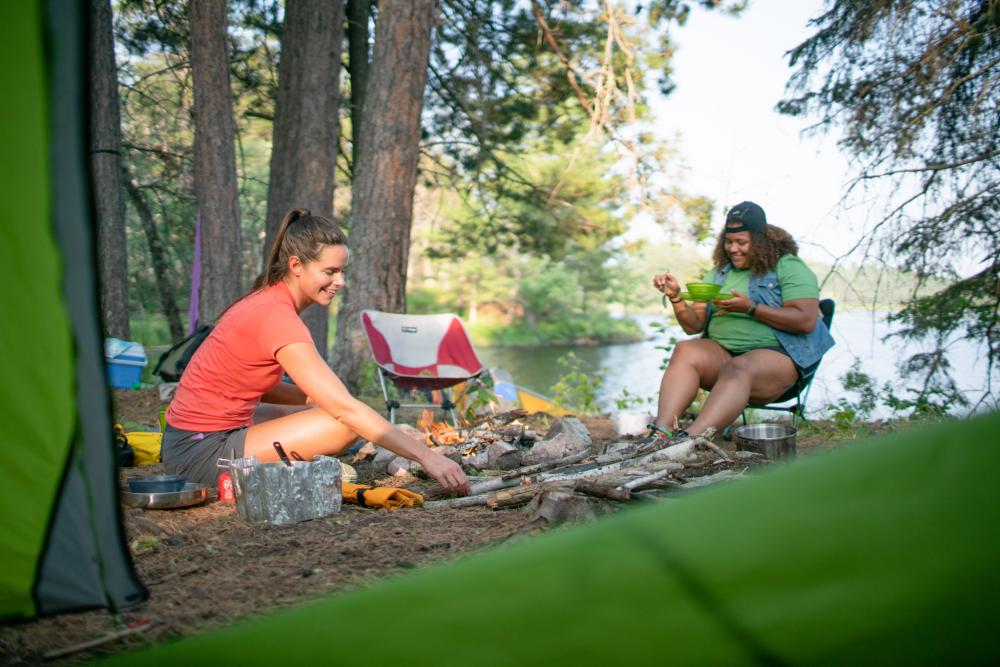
(204, 567)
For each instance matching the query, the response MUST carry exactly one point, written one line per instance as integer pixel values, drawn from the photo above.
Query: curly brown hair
(767, 246)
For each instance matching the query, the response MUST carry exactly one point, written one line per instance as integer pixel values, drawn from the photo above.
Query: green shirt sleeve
(796, 279)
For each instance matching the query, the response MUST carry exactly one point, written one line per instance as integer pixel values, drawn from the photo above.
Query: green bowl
(703, 290)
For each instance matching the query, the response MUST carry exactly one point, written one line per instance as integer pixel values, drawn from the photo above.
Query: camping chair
(421, 352)
(799, 391)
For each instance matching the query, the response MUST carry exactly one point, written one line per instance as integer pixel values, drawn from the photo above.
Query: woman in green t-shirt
(755, 345)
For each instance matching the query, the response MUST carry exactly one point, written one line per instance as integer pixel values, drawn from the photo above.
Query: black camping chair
(799, 391)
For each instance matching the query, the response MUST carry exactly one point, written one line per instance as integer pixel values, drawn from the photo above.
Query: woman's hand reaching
(448, 473)
(667, 283)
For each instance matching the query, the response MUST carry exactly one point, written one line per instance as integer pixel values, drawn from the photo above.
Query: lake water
(636, 366)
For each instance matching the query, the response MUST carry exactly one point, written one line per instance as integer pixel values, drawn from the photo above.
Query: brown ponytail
(301, 235)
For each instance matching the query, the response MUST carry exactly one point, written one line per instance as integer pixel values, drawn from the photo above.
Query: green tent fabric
(884, 553)
(61, 547)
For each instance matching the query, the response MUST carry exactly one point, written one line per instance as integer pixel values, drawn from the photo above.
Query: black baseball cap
(748, 215)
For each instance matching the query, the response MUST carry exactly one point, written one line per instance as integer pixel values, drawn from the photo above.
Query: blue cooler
(125, 361)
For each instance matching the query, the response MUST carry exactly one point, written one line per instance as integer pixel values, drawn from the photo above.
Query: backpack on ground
(173, 362)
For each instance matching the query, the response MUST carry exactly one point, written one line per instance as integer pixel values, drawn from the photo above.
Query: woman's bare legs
(694, 364)
(307, 432)
(758, 376)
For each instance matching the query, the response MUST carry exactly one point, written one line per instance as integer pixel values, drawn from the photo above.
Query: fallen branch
(646, 480)
(522, 495)
(602, 490)
(438, 492)
(721, 476)
(549, 465)
(456, 503)
(141, 626)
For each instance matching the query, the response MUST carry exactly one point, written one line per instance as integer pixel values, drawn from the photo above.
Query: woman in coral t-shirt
(231, 400)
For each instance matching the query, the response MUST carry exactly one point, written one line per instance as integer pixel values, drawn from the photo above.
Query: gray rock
(381, 461)
(567, 437)
(399, 466)
(568, 425)
(554, 506)
(503, 456)
(480, 460)
(449, 452)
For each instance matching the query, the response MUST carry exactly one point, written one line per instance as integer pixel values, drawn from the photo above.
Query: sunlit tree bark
(386, 174)
(215, 160)
(106, 170)
(304, 153)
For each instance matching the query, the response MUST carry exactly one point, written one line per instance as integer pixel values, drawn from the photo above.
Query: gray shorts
(194, 454)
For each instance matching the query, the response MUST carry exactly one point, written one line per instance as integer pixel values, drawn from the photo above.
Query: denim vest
(804, 349)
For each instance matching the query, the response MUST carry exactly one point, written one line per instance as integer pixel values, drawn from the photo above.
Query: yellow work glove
(382, 496)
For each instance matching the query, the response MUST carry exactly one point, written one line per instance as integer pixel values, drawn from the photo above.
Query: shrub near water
(598, 329)
(576, 389)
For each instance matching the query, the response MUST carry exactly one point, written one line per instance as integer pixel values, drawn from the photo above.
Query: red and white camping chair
(422, 352)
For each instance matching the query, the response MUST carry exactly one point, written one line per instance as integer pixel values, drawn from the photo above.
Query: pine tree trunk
(215, 160)
(359, 52)
(159, 259)
(106, 169)
(385, 176)
(304, 153)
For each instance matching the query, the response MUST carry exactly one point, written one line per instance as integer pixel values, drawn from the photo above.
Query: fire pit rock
(568, 436)
(480, 460)
(503, 456)
(399, 466)
(380, 463)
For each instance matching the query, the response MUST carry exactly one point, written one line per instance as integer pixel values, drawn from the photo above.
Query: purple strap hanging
(195, 277)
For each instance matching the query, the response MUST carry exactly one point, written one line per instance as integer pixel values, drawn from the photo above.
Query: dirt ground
(204, 567)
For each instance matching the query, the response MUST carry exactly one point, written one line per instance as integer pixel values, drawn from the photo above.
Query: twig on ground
(141, 626)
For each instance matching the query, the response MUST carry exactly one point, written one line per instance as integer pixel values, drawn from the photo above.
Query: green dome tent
(61, 543)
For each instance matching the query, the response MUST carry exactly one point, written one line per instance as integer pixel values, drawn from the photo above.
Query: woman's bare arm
(314, 377)
(691, 317)
(796, 316)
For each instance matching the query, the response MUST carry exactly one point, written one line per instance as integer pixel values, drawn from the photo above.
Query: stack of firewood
(621, 473)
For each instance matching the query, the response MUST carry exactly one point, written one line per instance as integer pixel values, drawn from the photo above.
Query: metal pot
(279, 494)
(774, 441)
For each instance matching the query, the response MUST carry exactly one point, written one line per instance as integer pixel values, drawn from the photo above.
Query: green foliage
(576, 389)
(150, 329)
(425, 301)
(570, 331)
(534, 188)
(700, 212)
(935, 403)
(551, 210)
(368, 382)
(627, 400)
(912, 85)
(667, 347)
(158, 132)
(478, 396)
